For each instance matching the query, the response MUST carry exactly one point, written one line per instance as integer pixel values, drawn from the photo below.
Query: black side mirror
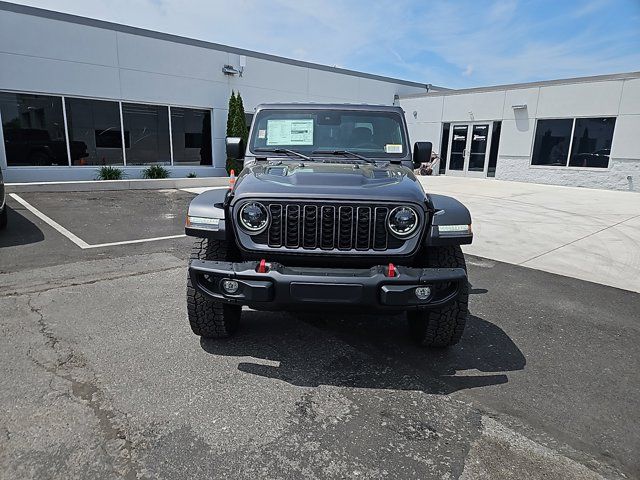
(421, 153)
(235, 148)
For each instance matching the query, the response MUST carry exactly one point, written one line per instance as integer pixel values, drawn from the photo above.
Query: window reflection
(551, 145)
(34, 132)
(191, 136)
(592, 139)
(146, 132)
(95, 124)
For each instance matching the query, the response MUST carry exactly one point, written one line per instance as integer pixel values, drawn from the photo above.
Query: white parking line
(74, 238)
(52, 223)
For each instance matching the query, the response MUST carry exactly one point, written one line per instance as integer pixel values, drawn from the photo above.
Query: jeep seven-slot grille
(334, 226)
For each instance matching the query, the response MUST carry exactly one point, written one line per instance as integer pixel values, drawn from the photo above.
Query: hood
(329, 180)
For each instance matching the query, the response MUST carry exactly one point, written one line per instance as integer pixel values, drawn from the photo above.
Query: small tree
(236, 126)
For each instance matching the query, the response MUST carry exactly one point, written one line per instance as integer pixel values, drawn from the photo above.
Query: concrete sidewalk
(588, 234)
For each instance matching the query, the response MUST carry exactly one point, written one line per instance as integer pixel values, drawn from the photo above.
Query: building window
(191, 136)
(551, 145)
(146, 134)
(588, 138)
(33, 128)
(444, 148)
(493, 151)
(591, 145)
(94, 129)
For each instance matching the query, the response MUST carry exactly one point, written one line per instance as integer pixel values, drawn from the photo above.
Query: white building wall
(52, 56)
(598, 98)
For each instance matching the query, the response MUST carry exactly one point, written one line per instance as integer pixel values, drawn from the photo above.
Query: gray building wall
(607, 96)
(51, 53)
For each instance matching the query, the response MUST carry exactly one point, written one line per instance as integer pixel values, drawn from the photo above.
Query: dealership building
(77, 94)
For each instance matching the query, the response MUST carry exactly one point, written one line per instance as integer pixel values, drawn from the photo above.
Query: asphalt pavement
(101, 377)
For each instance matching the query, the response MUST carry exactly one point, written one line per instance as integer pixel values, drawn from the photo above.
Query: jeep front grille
(327, 226)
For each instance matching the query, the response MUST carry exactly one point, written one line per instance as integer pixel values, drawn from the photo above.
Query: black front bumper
(282, 287)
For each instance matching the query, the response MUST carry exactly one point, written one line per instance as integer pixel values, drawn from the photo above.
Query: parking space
(100, 376)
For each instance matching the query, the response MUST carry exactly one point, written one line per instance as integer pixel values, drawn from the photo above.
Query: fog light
(423, 293)
(230, 286)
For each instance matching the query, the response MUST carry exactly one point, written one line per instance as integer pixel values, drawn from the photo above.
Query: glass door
(458, 149)
(469, 148)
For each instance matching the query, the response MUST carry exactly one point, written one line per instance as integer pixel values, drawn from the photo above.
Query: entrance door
(468, 153)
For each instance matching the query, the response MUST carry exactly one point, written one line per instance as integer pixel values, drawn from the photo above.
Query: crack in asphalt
(17, 293)
(88, 394)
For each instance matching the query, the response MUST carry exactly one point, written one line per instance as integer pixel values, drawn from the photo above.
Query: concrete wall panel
(473, 107)
(580, 100)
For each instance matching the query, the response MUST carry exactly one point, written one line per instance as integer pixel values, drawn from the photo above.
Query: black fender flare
(447, 211)
(211, 205)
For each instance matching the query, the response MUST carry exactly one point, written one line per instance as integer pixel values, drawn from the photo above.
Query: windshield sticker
(393, 148)
(262, 133)
(290, 132)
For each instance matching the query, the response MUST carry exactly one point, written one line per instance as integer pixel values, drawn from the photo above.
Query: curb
(104, 185)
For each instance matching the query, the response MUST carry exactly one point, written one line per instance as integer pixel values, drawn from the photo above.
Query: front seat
(360, 135)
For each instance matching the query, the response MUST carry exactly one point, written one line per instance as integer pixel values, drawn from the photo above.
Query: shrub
(155, 171)
(236, 126)
(110, 173)
(191, 175)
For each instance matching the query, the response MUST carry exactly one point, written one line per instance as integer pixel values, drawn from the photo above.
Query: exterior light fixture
(519, 106)
(230, 70)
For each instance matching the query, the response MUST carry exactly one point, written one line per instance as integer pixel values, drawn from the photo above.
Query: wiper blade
(283, 150)
(344, 153)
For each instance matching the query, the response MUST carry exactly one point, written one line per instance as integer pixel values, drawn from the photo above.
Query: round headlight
(402, 221)
(254, 217)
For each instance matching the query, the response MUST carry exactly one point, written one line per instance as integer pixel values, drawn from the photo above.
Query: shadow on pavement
(367, 352)
(19, 231)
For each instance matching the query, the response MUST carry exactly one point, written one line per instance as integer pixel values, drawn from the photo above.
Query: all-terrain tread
(442, 327)
(211, 319)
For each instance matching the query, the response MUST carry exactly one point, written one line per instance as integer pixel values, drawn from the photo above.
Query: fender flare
(448, 211)
(209, 204)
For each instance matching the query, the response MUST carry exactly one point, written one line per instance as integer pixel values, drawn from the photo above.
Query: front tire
(3, 217)
(442, 327)
(208, 318)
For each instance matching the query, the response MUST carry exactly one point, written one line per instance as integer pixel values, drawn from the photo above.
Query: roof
(328, 106)
(91, 22)
(513, 86)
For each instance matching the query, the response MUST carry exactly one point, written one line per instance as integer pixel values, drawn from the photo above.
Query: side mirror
(235, 148)
(421, 153)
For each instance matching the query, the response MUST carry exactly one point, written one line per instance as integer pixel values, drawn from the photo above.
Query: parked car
(34, 147)
(327, 215)
(3, 203)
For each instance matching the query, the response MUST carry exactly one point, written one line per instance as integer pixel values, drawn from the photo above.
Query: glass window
(94, 132)
(369, 133)
(551, 145)
(146, 134)
(493, 152)
(191, 136)
(33, 128)
(592, 142)
(444, 148)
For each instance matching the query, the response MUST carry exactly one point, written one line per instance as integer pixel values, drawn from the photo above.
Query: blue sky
(455, 44)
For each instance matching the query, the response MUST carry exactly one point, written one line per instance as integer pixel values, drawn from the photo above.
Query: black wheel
(3, 217)
(208, 318)
(442, 327)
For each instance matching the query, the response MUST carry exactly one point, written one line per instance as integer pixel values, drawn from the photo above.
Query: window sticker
(393, 148)
(262, 133)
(290, 132)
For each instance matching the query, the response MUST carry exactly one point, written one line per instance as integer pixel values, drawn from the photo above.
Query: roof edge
(514, 86)
(92, 22)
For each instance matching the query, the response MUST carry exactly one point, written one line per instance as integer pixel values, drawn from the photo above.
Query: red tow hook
(262, 266)
(391, 271)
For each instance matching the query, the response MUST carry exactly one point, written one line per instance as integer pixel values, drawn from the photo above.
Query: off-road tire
(211, 319)
(3, 217)
(442, 327)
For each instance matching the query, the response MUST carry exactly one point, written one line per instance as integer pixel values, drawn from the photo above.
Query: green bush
(236, 127)
(110, 173)
(191, 175)
(155, 171)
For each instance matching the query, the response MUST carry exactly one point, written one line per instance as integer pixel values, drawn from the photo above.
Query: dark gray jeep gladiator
(328, 215)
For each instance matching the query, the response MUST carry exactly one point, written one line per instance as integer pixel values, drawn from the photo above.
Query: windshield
(370, 134)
